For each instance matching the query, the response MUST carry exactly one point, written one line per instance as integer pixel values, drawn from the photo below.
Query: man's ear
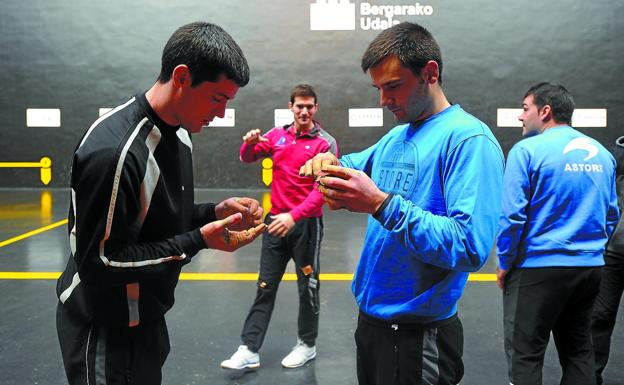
(181, 76)
(545, 113)
(431, 72)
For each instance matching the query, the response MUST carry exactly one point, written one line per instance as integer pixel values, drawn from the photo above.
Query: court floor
(212, 299)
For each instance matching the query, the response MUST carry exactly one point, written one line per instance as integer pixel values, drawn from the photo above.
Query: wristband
(383, 205)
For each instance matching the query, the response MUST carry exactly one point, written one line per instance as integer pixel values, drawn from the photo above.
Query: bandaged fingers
(217, 234)
(313, 166)
(237, 239)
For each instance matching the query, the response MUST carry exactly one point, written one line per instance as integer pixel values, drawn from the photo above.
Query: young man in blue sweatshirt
(559, 209)
(432, 187)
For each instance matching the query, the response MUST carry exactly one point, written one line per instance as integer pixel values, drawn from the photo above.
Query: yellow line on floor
(482, 277)
(34, 232)
(478, 277)
(327, 277)
(254, 276)
(29, 275)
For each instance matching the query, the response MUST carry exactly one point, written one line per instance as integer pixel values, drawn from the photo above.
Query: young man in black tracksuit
(133, 222)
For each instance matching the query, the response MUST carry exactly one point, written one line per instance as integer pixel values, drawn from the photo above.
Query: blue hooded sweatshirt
(559, 202)
(445, 177)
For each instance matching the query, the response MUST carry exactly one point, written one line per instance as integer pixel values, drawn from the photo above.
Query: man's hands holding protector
(239, 223)
(343, 187)
(249, 208)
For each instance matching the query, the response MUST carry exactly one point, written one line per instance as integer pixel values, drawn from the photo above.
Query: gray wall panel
(82, 55)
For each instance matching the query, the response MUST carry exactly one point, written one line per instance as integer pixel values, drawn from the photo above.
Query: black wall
(82, 55)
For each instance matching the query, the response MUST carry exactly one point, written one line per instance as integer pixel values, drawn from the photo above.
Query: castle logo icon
(332, 15)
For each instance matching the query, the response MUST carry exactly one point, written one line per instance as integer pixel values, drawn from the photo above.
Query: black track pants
(99, 354)
(409, 354)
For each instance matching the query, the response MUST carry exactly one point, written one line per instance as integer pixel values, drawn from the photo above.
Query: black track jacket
(133, 222)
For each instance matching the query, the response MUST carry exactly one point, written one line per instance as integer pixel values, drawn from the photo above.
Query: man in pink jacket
(295, 229)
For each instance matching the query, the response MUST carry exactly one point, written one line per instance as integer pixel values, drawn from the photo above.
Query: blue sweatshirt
(446, 177)
(559, 202)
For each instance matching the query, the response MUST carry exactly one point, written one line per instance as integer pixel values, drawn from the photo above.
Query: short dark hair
(557, 97)
(208, 51)
(302, 90)
(411, 43)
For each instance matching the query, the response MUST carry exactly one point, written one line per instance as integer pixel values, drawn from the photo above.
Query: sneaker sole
(300, 365)
(249, 366)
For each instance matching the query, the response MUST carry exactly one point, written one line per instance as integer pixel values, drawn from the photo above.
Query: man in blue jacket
(559, 208)
(432, 187)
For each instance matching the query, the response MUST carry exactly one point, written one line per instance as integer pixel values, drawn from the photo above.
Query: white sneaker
(241, 359)
(300, 354)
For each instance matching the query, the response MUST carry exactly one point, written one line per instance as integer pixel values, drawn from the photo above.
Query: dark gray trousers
(303, 245)
(538, 301)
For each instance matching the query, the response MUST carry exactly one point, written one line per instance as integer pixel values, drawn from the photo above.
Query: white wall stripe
(43, 117)
(365, 117)
(282, 116)
(589, 117)
(508, 117)
(582, 117)
(103, 110)
(228, 119)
